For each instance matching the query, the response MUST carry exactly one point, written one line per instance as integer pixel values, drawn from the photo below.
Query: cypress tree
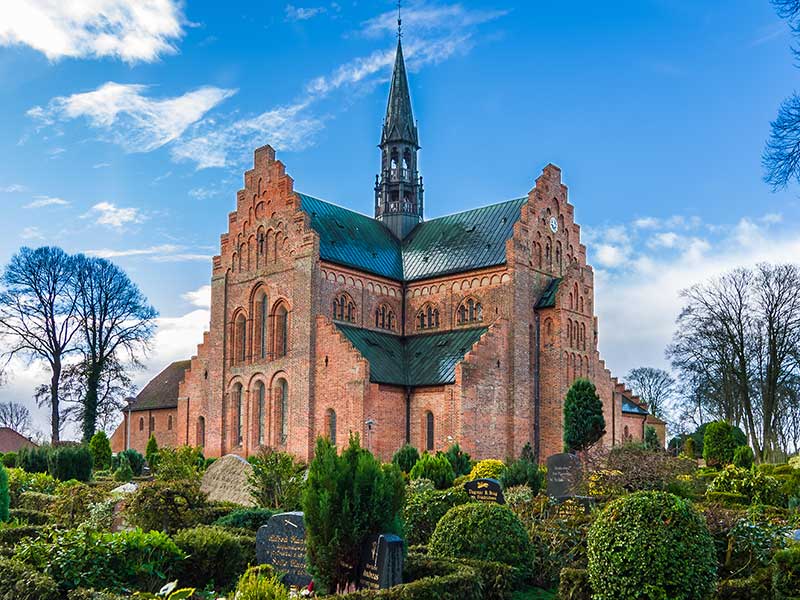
(583, 416)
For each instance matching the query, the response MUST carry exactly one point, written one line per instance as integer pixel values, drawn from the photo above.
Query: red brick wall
(163, 423)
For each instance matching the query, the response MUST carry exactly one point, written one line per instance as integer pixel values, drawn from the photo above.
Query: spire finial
(399, 20)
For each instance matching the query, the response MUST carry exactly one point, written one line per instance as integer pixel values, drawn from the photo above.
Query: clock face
(553, 224)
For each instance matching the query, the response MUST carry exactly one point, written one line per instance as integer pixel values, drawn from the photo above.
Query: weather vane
(399, 20)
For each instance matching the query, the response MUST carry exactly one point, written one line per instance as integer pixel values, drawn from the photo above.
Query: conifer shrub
(166, 506)
(651, 441)
(212, 555)
(276, 481)
(19, 581)
(720, 441)
(482, 531)
(5, 497)
(151, 451)
(100, 448)
(135, 460)
(246, 518)
(743, 457)
(406, 457)
(786, 574)
(70, 462)
(584, 424)
(459, 460)
(651, 545)
(9, 459)
(347, 498)
(33, 459)
(123, 472)
(688, 448)
(435, 467)
(523, 471)
(490, 468)
(423, 510)
(257, 584)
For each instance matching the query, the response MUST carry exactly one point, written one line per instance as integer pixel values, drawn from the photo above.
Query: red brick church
(466, 328)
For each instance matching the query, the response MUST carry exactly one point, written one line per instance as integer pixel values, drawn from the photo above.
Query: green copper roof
(428, 359)
(548, 299)
(464, 241)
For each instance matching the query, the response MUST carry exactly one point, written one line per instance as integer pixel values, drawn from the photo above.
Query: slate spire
(399, 126)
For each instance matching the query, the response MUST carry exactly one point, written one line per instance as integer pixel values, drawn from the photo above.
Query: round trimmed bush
(651, 545)
(9, 459)
(743, 457)
(436, 468)
(484, 531)
(489, 468)
(720, 442)
(424, 509)
(212, 555)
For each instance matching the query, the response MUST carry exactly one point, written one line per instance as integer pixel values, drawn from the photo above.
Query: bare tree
(115, 386)
(117, 323)
(15, 416)
(654, 386)
(37, 313)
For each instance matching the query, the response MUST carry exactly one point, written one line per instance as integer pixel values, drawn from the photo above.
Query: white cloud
(31, 233)
(101, 165)
(608, 255)
(110, 215)
(294, 13)
(424, 18)
(646, 223)
(131, 30)
(13, 188)
(200, 297)
(131, 119)
(160, 253)
(665, 239)
(42, 201)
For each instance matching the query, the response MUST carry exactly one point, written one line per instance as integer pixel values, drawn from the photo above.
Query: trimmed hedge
(435, 467)
(166, 505)
(11, 536)
(36, 501)
(654, 545)
(9, 459)
(756, 587)
(70, 462)
(574, 585)
(213, 555)
(445, 579)
(423, 510)
(786, 574)
(18, 581)
(483, 531)
(245, 518)
(32, 517)
(33, 460)
(5, 497)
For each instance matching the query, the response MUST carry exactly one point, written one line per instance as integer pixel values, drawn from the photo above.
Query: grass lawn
(534, 594)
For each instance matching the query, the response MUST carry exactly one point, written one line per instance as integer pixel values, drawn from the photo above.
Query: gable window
(344, 309)
(428, 317)
(470, 311)
(384, 318)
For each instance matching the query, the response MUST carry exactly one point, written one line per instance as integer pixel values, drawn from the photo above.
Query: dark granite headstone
(485, 490)
(381, 565)
(282, 544)
(563, 475)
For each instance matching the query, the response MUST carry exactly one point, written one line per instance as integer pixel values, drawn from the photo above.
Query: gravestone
(282, 544)
(381, 565)
(563, 475)
(225, 480)
(485, 490)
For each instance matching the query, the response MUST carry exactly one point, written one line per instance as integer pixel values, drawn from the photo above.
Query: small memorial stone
(485, 490)
(282, 544)
(563, 475)
(381, 562)
(225, 480)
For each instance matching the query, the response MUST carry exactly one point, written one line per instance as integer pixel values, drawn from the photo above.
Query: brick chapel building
(466, 328)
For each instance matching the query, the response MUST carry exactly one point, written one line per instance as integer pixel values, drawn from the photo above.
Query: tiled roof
(428, 359)
(162, 391)
(11, 441)
(629, 406)
(464, 241)
(548, 298)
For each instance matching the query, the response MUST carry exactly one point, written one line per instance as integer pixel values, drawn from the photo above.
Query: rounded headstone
(226, 480)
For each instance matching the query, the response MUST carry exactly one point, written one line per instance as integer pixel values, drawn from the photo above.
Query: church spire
(398, 187)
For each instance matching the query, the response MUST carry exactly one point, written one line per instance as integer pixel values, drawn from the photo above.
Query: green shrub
(420, 485)
(728, 499)
(688, 448)
(166, 505)
(720, 442)
(36, 501)
(651, 441)
(574, 585)
(9, 459)
(246, 518)
(348, 497)
(651, 545)
(632, 468)
(180, 463)
(33, 459)
(406, 457)
(786, 574)
(5, 497)
(92, 594)
(255, 585)
(277, 480)
(483, 531)
(31, 517)
(756, 587)
(489, 469)
(151, 451)
(424, 509)
(213, 555)
(435, 467)
(100, 448)
(115, 561)
(753, 485)
(20, 481)
(517, 495)
(20, 582)
(123, 472)
(556, 543)
(73, 500)
(70, 462)
(743, 457)
(12, 533)
(135, 460)
(584, 424)
(522, 471)
(459, 460)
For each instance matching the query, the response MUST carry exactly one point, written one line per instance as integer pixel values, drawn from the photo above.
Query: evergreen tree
(4, 494)
(584, 424)
(101, 450)
(151, 451)
(651, 441)
(459, 460)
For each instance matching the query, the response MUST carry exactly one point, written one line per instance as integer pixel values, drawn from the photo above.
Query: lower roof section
(417, 360)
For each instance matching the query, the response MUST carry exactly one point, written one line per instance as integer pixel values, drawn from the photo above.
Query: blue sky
(129, 139)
